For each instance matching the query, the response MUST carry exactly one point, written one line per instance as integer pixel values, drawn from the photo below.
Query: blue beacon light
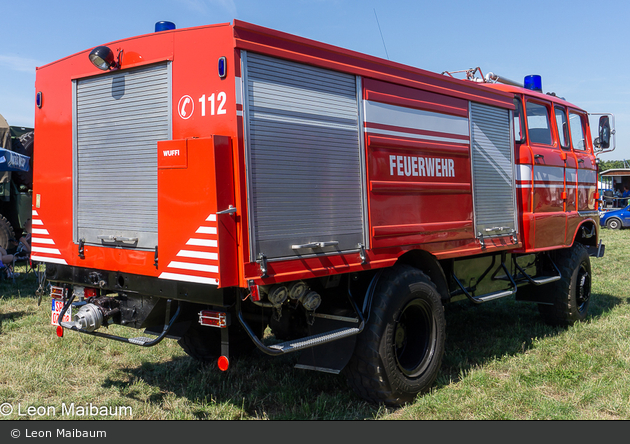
(164, 26)
(533, 82)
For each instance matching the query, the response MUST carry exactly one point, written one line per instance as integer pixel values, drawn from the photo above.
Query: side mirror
(603, 141)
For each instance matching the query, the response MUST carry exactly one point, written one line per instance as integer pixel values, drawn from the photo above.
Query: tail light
(254, 291)
(213, 318)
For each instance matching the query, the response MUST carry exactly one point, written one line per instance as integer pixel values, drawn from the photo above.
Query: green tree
(605, 165)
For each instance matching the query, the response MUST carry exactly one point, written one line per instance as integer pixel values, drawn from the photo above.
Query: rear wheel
(6, 232)
(613, 223)
(399, 353)
(571, 294)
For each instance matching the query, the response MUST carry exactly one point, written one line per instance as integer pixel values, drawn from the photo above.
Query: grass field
(501, 362)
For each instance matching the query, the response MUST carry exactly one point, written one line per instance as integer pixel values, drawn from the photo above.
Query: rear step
(312, 341)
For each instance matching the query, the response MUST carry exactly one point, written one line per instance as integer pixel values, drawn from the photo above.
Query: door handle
(315, 245)
(231, 210)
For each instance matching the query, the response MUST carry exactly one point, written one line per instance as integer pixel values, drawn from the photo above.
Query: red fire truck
(208, 183)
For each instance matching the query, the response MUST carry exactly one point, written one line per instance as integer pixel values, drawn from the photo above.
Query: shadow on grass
(11, 317)
(23, 285)
(477, 334)
(259, 386)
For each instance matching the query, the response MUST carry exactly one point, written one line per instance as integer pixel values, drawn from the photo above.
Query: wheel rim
(583, 292)
(414, 338)
(613, 224)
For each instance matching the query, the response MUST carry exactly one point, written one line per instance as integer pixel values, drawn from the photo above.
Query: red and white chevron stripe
(42, 244)
(198, 261)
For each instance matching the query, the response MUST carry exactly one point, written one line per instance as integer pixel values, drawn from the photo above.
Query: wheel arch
(429, 264)
(587, 233)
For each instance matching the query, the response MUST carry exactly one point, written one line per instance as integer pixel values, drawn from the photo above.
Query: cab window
(538, 123)
(563, 127)
(576, 122)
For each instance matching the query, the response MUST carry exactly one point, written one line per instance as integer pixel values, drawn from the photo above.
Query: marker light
(39, 99)
(60, 331)
(222, 67)
(103, 58)
(533, 82)
(254, 291)
(164, 26)
(223, 363)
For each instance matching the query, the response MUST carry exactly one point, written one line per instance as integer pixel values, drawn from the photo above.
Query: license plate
(57, 306)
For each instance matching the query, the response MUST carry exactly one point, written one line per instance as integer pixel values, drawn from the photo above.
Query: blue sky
(579, 47)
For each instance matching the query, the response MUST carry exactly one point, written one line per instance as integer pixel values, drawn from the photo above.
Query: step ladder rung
(311, 341)
(140, 340)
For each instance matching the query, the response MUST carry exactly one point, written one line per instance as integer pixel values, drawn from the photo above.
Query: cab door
(586, 168)
(549, 192)
(570, 169)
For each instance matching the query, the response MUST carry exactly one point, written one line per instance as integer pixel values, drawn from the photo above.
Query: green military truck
(16, 181)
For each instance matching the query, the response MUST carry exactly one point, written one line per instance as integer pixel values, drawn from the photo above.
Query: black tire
(6, 232)
(25, 146)
(399, 353)
(613, 223)
(571, 294)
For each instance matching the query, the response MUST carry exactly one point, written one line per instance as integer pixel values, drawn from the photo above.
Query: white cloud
(17, 63)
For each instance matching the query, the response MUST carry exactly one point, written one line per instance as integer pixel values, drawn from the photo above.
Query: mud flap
(597, 251)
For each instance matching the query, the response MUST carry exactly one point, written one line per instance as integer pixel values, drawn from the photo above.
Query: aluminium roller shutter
(303, 139)
(493, 170)
(119, 118)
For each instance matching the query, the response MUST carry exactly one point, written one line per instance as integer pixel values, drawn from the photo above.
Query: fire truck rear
(205, 184)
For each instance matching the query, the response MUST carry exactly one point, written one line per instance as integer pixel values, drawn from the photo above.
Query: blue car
(615, 219)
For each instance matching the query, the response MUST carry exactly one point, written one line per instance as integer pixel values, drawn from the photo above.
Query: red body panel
(419, 180)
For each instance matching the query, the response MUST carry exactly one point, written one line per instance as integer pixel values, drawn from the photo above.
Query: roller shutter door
(119, 118)
(302, 126)
(493, 170)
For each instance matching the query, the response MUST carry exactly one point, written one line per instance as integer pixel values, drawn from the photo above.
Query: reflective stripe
(187, 278)
(393, 115)
(45, 250)
(548, 174)
(194, 267)
(587, 176)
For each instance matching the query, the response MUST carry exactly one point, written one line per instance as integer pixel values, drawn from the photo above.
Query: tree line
(605, 165)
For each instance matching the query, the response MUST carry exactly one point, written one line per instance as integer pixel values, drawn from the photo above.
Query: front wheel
(613, 224)
(399, 353)
(570, 296)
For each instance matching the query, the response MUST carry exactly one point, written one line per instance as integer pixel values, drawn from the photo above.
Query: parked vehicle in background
(615, 219)
(16, 181)
(337, 198)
